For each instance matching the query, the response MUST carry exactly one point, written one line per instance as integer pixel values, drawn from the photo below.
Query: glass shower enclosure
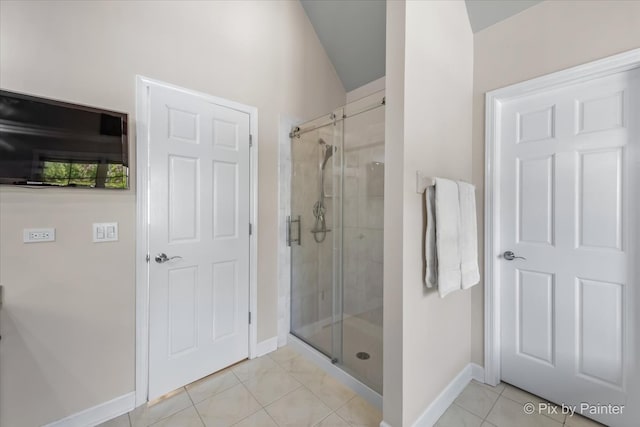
(336, 235)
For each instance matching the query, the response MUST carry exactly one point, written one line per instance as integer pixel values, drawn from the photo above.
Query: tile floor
(284, 389)
(281, 389)
(481, 405)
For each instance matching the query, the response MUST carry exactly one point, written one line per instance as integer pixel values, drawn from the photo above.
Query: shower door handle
(291, 240)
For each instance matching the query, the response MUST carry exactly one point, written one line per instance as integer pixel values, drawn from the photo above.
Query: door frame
(143, 84)
(493, 109)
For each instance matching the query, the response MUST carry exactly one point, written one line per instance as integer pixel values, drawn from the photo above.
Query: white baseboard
(384, 424)
(477, 372)
(266, 346)
(441, 403)
(99, 413)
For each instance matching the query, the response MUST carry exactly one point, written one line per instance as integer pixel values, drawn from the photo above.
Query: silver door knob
(510, 256)
(162, 258)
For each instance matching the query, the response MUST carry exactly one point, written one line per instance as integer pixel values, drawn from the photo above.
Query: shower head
(328, 151)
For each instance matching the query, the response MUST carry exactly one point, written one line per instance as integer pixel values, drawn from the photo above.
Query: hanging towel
(468, 237)
(447, 239)
(431, 260)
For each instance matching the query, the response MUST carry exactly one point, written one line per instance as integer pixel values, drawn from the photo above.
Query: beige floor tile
(228, 407)
(519, 395)
(457, 416)
(121, 421)
(497, 389)
(255, 367)
(333, 420)
(477, 399)
(259, 419)
(185, 418)
(283, 354)
(271, 386)
(507, 413)
(300, 408)
(359, 412)
(329, 390)
(300, 368)
(580, 421)
(211, 385)
(487, 424)
(146, 415)
(523, 397)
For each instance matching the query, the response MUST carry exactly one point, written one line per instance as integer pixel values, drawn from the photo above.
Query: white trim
(477, 372)
(142, 232)
(99, 413)
(266, 346)
(446, 397)
(253, 238)
(142, 243)
(324, 363)
(441, 403)
(494, 99)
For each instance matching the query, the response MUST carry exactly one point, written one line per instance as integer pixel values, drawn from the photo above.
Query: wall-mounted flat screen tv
(50, 143)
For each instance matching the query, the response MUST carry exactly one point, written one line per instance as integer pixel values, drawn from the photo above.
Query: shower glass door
(337, 210)
(316, 236)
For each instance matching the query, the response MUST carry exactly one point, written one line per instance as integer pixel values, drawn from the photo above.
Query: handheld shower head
(328, 151)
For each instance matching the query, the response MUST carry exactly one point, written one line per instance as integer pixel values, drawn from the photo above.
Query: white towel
(468, 236)
(447, 230)
(431, 260)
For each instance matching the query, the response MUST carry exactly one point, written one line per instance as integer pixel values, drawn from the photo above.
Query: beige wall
(432, 75)
(438, 91)
(548, 37)
(365, 90)
(68, 322)
(393, 212)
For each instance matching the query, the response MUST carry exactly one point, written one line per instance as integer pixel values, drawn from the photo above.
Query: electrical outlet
(37, 235)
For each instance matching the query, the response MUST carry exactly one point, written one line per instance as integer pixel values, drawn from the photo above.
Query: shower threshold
(327, 365)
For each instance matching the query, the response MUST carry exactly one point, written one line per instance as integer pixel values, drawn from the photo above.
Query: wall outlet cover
(38, 235)
(105, 232)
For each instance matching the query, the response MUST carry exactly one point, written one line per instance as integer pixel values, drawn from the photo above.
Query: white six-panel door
(568, 202)
(199, 212)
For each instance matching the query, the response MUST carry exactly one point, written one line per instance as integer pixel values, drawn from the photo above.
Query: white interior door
(568, 186)
(198, 212)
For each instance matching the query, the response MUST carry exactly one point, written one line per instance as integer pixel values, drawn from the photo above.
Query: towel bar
(422, 182)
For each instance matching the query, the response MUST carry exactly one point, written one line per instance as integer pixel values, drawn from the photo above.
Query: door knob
(162, 258)
(510, 256)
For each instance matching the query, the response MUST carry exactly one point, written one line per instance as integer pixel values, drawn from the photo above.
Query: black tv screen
(51, 143)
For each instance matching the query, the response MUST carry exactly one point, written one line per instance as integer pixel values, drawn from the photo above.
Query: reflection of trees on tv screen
(84, 174)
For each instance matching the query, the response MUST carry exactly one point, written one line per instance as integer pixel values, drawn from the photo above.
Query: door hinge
(249, 317)
(148, 257)
(250, 140)
(250, 229)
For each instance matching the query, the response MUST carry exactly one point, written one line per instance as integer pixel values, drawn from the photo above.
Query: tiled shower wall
(363, 215)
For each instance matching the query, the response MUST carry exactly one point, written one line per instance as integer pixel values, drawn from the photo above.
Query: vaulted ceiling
(353, 32)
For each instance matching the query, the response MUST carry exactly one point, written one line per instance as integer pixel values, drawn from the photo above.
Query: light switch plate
(105, 232)
(38, 235)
